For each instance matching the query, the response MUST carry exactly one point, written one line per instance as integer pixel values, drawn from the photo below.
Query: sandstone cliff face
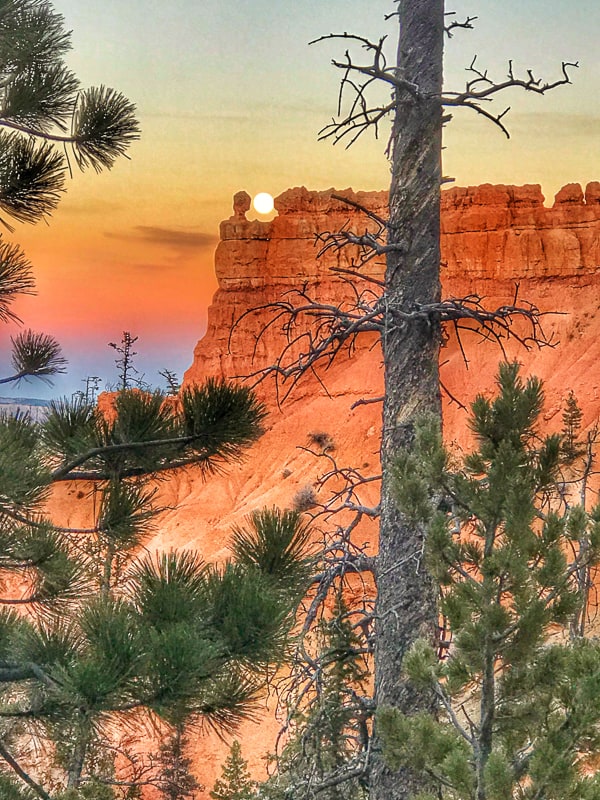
(261, 262)
(493, 237)
(496, 232)
(496, 238)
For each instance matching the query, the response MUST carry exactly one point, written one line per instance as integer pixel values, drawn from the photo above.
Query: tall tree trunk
(406, 606)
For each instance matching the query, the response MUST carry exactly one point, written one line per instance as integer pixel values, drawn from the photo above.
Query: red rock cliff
(493, 237)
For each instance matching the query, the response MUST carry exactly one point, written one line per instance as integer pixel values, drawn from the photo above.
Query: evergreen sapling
(325, 753)
(517, 711)
(235, 782)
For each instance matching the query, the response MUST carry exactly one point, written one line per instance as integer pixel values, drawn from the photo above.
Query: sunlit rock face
(497, 241)
(500, 239)
(261, 262)
(507, 232)
(494, 239)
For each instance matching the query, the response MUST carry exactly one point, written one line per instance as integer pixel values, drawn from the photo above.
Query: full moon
(263, 203)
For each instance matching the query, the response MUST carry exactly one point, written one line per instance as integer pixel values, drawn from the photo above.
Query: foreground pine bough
(112, 636)
(512, 544)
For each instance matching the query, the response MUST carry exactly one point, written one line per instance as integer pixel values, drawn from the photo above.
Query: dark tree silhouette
(47, 122)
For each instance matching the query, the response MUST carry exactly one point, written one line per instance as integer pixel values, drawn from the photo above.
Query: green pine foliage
(275, 542)
(110, 636)
(517, 714)
(36, 355)
(208, 426)
(10, 790)
(48, 121)
(45, 111)
(572, 446)
(235, 782)
(176, 782)
(165, 635)
(325, 752)
(108, 631)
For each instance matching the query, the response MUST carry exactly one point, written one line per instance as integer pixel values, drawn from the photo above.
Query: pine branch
(35, 355)
(31, 177)
(16, 278)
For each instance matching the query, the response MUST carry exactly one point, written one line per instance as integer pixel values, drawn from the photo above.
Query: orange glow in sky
(230, 96)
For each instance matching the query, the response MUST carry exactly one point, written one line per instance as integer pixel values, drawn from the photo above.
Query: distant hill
(24, 401)
(35, 408)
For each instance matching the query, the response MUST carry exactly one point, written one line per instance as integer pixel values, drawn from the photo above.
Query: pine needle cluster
(45, 110)
(517, 699)
(235, 782)
(112, 634)
(47, 122)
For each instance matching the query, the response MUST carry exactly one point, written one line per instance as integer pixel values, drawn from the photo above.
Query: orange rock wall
(492, 238)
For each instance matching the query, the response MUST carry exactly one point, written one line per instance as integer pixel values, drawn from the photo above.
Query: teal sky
(231, 97)
(233, 91)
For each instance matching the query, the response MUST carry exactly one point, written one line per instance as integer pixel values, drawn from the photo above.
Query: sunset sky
(230, 96)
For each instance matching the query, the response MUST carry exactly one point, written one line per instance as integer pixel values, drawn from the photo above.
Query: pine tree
(404, 306)
(518, 712)
(171, 380)
(176, 782)
(328, 733)
(111, 630)
(572, 446)
(47, 121)
(108, 631)
(110, 634)
(235, 782)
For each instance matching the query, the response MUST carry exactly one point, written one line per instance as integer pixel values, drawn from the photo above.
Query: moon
(263, 203)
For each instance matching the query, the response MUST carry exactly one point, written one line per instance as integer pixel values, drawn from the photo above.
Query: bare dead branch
(357, 113)
(450, 396)
(316, 333)
(465, 24)
(344, 484)
(367, 401)
(357, 81)
(481, 88)
(363, 209)
(24, 776)
(355, 273)
(378, 69)
(368, 244)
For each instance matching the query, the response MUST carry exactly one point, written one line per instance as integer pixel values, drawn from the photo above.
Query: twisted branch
(465, 24)
(481, 88)
(359, 79)
(316, 332)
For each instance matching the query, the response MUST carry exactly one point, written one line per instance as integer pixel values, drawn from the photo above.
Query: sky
(230, 96)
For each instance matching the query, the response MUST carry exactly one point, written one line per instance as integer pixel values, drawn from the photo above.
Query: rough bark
(405, 594)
